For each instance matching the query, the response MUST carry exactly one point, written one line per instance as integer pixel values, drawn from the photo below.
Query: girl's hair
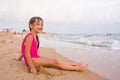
(32, 21)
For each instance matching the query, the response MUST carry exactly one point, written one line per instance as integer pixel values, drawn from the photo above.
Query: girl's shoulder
(28, 35)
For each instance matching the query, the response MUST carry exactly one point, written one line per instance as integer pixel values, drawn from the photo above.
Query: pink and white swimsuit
(33, 50)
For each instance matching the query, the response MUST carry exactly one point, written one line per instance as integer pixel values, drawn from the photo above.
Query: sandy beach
(16, 70)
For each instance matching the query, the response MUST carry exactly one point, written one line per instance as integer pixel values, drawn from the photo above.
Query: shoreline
(15, 70)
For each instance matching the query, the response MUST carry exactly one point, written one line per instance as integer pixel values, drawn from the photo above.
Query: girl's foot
(77, 64)
(82, 67)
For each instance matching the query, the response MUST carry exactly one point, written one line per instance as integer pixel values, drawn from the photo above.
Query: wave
(99, 43)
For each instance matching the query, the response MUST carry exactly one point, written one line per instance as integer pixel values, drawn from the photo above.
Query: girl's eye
(38, 24)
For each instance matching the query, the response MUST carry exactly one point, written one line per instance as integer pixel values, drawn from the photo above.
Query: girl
(30, 47)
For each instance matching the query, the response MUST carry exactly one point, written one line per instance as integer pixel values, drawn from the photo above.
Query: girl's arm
(27, 54)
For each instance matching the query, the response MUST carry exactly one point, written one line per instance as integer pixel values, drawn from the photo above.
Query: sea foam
(115, 45)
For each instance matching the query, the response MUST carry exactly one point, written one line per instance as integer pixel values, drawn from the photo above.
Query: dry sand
(16, 70)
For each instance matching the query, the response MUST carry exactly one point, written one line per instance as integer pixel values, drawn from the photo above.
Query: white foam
(85, 41)
(115, 45)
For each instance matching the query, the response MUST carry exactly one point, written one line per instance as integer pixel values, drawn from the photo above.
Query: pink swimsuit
(33, 50)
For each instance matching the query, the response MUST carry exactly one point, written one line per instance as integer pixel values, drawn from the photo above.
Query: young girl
(30, 47)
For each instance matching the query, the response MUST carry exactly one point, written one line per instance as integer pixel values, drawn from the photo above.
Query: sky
(63, 16)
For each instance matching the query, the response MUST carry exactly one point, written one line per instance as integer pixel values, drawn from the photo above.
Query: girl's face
(37, 27)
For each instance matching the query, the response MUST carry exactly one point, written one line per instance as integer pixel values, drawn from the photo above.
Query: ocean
(111, 41)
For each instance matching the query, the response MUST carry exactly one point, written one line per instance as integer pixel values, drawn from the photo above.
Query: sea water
(100, 51)
(99, 40)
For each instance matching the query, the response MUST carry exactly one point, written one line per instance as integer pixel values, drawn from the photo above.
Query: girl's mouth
(40, 29)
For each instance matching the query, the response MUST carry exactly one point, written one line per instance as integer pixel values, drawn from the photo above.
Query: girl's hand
(33, 70)
(17, 59)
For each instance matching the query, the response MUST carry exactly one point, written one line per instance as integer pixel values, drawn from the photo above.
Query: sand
(16, 70)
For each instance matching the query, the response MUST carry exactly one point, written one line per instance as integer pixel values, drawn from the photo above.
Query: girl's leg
(60, 64)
